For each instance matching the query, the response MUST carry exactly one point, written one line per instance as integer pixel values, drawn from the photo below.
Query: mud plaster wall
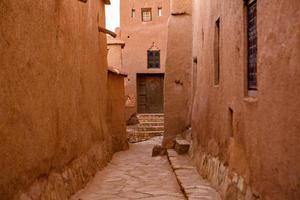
(116, 111)
(114, 56)
(178, 70)
(53, 96)
(260, 140)
(115, 47)
(139, 37)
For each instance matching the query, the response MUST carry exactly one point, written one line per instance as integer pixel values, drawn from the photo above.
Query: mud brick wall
(53, 86)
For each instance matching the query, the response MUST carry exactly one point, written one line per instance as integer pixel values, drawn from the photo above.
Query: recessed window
(153, 59)
(146, 14)
(159, 10)
(251, 45)
(217, 52)
(133, 13)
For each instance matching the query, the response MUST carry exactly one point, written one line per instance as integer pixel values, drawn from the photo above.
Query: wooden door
(150, 89)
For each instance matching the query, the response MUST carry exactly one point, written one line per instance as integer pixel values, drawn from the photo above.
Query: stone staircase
(150, 125)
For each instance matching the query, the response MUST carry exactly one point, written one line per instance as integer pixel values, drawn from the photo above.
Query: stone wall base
(231, 185)
(61, 184)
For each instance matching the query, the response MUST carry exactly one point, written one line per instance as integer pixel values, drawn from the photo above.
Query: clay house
(241, 92)
(115, 47)
(178, 70)
(54, 90)
(116, 92)
(144, 30)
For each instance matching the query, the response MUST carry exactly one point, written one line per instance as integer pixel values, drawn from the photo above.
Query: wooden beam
(106, 31)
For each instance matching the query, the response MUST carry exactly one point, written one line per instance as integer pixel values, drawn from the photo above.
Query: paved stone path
(193, 185)
(134, 174)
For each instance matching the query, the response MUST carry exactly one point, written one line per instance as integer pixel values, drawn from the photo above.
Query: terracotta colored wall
(260, 141)
(178, 69)
(139, 37)
(116, 111)
(114, 56)
(115, 48)
(53, 96)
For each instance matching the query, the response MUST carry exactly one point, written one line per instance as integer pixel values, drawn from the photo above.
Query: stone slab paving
(134, 174)
(193, 185)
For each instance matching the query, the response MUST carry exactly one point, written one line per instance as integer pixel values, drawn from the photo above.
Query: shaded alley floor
(134, 174)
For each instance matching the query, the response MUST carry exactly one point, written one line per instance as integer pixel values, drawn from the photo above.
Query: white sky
(112, 15)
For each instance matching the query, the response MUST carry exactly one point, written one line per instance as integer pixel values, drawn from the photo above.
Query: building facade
(245, 96)
(178, 70)
(53, 83)
(144, 30)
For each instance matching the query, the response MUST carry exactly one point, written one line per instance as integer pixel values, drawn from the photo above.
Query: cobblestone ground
(134, 174)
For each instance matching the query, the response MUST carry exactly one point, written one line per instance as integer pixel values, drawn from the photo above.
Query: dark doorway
(150, 89)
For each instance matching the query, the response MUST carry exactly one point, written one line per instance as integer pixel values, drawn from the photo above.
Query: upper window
(133, 13)
(159, 10)
(251, 45)
(146, 14)
(153, 59)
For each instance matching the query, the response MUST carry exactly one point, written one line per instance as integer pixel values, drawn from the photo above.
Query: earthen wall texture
(115, 47)
(255, 137)
(53, 84)
(139, 37)
(114, 56)
(116, 111)
(178, 71)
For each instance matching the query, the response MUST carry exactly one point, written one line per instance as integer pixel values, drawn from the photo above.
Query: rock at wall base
(158, 150)
(133, 120)
(182, 146)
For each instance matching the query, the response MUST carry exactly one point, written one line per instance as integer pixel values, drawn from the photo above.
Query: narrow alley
(149, 99)
(134, 174)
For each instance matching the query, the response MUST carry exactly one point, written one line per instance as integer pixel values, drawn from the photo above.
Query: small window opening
(133, 13)
(251, 45)
(146, 14)
(217, 52)
(153, 59)
(159, 11)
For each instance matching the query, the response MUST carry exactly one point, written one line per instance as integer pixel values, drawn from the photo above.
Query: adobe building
(245, 97)
(115, 48)
(116, 93)
(178, 71)
(116, 110)
(53, 85)
(144, 30)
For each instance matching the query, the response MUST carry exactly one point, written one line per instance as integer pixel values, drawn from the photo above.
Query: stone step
(152, 133)
(182, 146)
(147, 124)
(151, 121)
(149, 117)
(150, 128)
